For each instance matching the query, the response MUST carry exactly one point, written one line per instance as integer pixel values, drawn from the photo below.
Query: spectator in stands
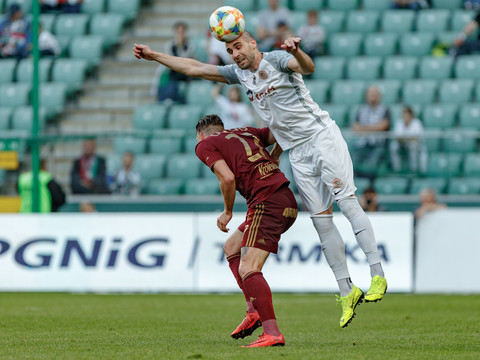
(407, 138)
(233, 111)
(372, 120)
(472, 4)
(283, 33)
(47, 6)
(86, 207)
(428, 202)
(127, 180)
(410, 4)
(48, 44)
(72, 6)
(14, 34)
(369, 200)
(88, 174)
(66, 6)
(267, 31)
(462, 44)
(217, 54)
(313, 35)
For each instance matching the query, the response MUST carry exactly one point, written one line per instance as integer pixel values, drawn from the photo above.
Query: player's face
(241, 52)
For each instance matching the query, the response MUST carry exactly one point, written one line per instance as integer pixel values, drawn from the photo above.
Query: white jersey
(280, 98)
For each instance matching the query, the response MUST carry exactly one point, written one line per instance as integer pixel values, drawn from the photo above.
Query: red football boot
(267, 340)
(248, 326)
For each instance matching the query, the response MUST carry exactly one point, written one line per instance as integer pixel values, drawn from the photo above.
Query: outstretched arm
(187, 66)
(301, 62)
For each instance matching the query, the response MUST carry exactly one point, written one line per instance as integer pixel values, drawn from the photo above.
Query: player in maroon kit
(240, 160)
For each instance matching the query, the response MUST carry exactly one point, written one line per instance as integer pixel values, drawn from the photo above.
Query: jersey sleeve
(207, 153)
(228, 72)
(279, 60)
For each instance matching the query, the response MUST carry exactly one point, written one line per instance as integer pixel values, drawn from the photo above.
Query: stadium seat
(150, 166)
(202, 187)
(150, 117)
(8, 70)
(439, 116)
(14, 95)
(25, 70)
(318, 90)
(376, 4)
(190, 142)
(209, 174)
(419, 91)
(48, 21)
(446, 38)
(200, 50)
(250, 25)
(93, 6)
(89, 47)
(348, 92)
(364, 68)
(396, 110)
(460, 141)
(26, 5)
(342, 5)
(433, 139)
(444, 165)
(416, 43)
(391, 185)
(263, 4)
(471, 166)
(332, 21)
(433, 20)
(344, 44)
(304, 5)
(460, 18)
(127, 8)
(469, 116)
(362, 21)
(435, 68)
(184, 116)
(199, 92)
(390, 90)
(329, 68)
(71, 24)
(22, 119)
(468, 67)
(5, 115)
(108, 26)
(72, 72)
(397, 21)
(477, 92)
(297, 19)
(380, 44)
(400, 67)
(361, 183)
(113, 163)
(52, 98)
(166, 145)
(464, 186)
(447, 4)
(437, 184)
(165, 187)
(456, 91)
(130, 144)
(242, 5)
(183, 166)
(338, 112)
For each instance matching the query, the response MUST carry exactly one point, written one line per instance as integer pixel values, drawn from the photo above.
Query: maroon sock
(233, 262)
(261, 297)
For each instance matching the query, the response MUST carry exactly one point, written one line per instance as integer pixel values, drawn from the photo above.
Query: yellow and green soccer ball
(227, 23)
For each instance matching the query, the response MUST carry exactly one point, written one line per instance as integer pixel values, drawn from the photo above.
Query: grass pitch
(75, 326)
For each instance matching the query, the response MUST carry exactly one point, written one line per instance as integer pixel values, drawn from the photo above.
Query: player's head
(208, 125)
(243, 50)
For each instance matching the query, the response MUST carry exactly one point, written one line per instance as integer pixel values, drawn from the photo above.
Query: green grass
(75, 326)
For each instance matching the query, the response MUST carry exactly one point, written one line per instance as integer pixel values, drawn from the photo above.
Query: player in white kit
(319, 156)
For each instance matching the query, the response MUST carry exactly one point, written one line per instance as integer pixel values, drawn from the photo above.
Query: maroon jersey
(244, 151)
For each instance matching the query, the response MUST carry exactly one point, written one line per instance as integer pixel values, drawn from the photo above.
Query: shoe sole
(247, 332)
(360, 300)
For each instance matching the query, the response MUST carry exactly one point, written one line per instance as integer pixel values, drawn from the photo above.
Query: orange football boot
(267, 340)
(247, 326)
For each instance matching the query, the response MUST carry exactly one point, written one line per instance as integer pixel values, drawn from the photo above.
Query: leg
(395, 159)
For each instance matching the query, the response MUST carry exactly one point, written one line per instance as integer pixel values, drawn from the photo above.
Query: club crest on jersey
(263, 75)
(337, 183)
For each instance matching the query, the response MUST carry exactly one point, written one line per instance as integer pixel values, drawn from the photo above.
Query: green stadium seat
(391, 185)
(200, 50)
(251, 25)
(202, 187)
(348, 92)
(150, 117)
(183, 166)
(468, 67)
(433, 20)
(53, 97)
(362, 21)
(5, 116)
(435, 68)
(338, 112)
(444, 165)
(25, 70)
(48, 21)
(150, 166)
(88, 47)
(8, 70)
(184, 116)
(113, 163)
(93, 6)
(332, 21)
(304, 5)
(419, 91)
(242, 5)
(14, 95)
(199, 93)
(209, 174)
(477, 92)
(464, 186)
(165, 187)
(297, 19)
(22, 119)
(318, 90)
(352, 116)
(390, 90)
(127, 8)
(361, 184)
(329, 68)
(342, 5)
(460, 141)
(437, 184)
(416, 43)
(109, 27)
(460, 18)
(380, 44)
(397, 21)
(376, 4)
(446, 38)
(456, 91)
(166, 145)
(26, 5)
(471, 166)
(447, 4)
(264, 4)
(469, 116)
(72, 72)
(131, 144)
(433, 139)
(71, 24)
(364, 68)
(400, 67)
(345, 44)
(439, 116)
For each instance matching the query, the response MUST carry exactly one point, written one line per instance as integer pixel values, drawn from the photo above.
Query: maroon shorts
(267, 220)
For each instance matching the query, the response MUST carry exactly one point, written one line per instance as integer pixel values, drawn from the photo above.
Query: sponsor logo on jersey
(260, 96)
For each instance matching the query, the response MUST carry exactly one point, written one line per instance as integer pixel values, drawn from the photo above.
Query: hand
(143, 52)
(291, 45)
(223, 220)
(458, 42)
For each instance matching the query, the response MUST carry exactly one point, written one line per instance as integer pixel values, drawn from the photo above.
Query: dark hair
(408, 109)
(369, 190)
(209, 120)
(180, 24)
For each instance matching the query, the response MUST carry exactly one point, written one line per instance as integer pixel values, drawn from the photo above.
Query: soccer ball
(227, 23)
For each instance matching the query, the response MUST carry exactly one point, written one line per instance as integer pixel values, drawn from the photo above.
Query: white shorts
(323, 169)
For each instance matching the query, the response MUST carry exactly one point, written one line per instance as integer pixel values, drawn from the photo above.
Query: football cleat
(247, 326)
(349, 303)
(378, 288)
(267, 340)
